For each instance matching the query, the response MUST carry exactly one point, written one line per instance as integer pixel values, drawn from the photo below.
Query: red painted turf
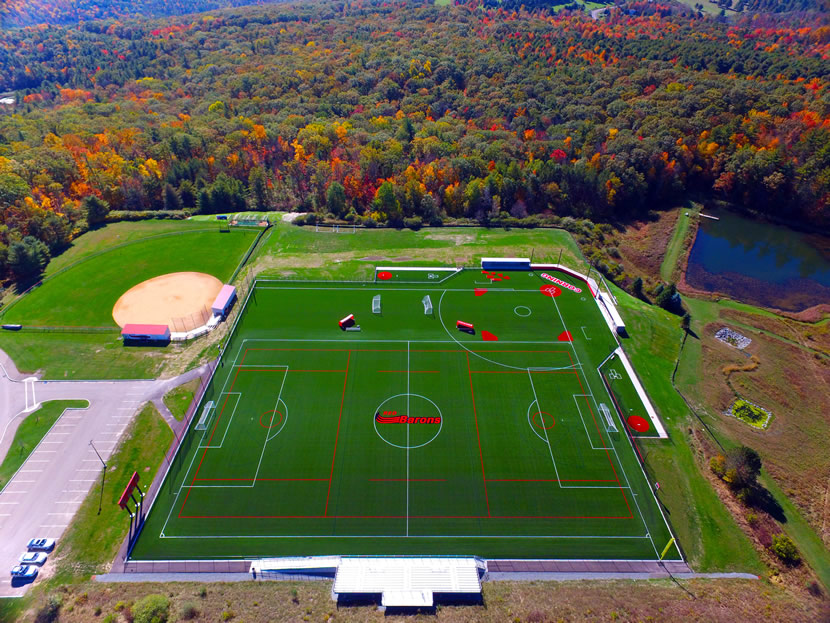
(550, 290)
(384, 275)
(488, 337)
(640, 424)
(566, 336)
(480, 291)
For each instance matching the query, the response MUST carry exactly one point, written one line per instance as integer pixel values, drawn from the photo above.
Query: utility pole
(103, 476)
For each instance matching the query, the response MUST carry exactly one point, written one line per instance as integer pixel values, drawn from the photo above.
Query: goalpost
(376, 304)
(609, 420)
(427, 305)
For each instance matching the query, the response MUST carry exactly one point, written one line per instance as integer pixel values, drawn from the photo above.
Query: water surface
(760, 263)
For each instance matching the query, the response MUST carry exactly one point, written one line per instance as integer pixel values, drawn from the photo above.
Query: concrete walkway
(43, 496)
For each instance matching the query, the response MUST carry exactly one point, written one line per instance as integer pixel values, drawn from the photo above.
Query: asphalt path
(43, 496)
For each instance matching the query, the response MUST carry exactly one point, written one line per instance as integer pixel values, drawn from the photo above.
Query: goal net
(427, 305)
(609, 420)
(376, 304)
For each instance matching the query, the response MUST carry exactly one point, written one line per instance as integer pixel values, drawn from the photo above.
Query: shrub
(188, 611)
(783, 547)
(50, 610)
(227, 615)
(718, 465)
(751, 519)
(151, 609)
(203, 592)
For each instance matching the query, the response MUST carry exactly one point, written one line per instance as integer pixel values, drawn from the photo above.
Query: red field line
(286, 369)
(413, 371)
(262, 479)
(407, 480)
(402, 517)
(478, 436)
(545, 480)
(524, 371)
(337, 435)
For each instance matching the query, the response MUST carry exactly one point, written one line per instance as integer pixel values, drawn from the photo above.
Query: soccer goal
(609, 420)
(427, 305)
(376, 304)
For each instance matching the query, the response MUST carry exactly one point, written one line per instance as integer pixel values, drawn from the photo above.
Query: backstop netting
(427, 305)
(376, 304)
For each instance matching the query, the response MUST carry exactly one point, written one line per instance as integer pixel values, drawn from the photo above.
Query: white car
(41, 545)
(33, 558)
(24, 571)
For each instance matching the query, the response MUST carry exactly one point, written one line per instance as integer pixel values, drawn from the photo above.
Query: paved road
(43, 496)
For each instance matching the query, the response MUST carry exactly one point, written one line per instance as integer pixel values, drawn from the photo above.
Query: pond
(760, 263)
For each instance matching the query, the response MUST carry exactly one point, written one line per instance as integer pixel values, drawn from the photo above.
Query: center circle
(277, 419)
(408, 421)
(543, 419)
(520, 310)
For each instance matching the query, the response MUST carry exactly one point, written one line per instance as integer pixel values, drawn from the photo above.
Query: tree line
(407, 113)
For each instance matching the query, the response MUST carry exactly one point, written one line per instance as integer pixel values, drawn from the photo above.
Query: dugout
(505, 263)
(224, 301)
(145, 335)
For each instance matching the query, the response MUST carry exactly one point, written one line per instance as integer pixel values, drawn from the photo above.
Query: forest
(404, 113)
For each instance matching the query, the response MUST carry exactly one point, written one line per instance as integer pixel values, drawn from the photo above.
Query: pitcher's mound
(181, 297)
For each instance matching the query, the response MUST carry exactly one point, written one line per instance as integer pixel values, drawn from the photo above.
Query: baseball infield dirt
(166, 298)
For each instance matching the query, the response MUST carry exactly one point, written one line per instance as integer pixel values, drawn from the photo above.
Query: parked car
(24, 571)
(33, 558)
(41, 545)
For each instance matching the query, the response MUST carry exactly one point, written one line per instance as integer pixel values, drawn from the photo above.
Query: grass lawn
(92, 540)
(503, 451)
(31, 431)
(677, 244)
(179, 398)
(85, 293)
(83, 355)
(709, 535)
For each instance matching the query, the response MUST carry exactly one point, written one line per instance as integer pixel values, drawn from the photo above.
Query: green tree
(743, 465)
(13, 188)
(637, 287)
(387, 203)
(172, 200)
(27, 258)
(96, 209)
(258, 189)
(336, 199)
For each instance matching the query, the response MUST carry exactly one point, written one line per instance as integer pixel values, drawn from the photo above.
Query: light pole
(103, 475)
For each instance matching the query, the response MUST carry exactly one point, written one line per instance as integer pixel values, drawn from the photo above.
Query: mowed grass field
(503, 450)
(83, 293)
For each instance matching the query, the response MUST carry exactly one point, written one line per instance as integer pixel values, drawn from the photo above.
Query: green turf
(84, 294)
(293, 459)
(179, 398)
(626, 399)
(31, 431)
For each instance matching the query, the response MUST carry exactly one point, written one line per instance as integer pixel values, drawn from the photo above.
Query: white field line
(407, 439)
(413, 536)
(271, 423)
(547, 439)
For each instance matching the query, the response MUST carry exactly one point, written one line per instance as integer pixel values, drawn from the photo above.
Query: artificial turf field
(505, 450)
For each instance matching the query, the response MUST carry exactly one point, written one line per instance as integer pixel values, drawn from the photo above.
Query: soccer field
(409, 436)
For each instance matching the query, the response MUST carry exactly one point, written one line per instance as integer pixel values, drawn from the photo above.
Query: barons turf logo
(564, 284)
(392, 417)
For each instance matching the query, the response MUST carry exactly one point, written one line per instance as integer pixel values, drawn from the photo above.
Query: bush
(414, 223)
(718, 465)
(151, 609)
(783, 547)
(50, 610)
(188, 611)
